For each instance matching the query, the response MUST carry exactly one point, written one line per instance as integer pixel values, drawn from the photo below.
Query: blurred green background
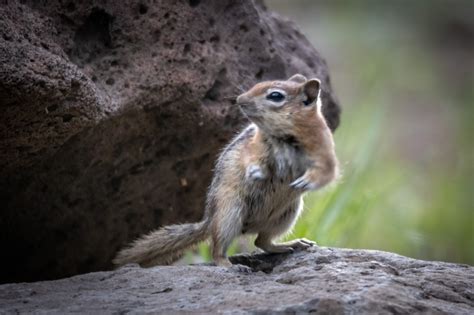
(403, 72)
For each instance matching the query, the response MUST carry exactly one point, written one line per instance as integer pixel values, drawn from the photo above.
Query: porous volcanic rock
(320, 281)
(113, 113)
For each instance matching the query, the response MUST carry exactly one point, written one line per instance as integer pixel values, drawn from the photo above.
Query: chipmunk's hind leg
(225, 227)
(265, 241)
(284, 223)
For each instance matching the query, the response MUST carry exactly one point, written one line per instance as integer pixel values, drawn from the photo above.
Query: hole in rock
(244, 28)
(194, 3)
(186, 49)
(67, 117)
(142, 9)
(93, 36)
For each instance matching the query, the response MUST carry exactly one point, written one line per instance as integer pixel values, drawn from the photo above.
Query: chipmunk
(259, 178)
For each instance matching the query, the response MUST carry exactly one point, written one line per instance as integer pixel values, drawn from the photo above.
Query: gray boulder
(321, 281)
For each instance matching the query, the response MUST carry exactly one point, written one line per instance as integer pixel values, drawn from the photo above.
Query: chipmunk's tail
(163, 246)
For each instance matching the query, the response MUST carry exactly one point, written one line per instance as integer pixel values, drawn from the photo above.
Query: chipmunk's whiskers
(240, 88)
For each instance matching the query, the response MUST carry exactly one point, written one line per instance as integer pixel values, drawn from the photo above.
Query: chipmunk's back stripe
(241, 137)
(246, 134)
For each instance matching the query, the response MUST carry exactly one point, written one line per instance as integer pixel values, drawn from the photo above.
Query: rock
(321, 280)
(113, 113)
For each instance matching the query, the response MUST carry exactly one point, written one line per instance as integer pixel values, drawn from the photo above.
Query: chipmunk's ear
(298, 78)
(311, 90)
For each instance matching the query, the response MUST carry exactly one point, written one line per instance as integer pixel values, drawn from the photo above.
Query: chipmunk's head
(281, 107)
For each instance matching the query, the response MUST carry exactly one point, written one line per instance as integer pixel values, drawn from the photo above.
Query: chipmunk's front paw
(304, 183)
(254, 172)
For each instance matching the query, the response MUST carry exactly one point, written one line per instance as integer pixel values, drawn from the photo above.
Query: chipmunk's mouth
(246, 108)
(250, 113)
(243, 110)
(243, 105)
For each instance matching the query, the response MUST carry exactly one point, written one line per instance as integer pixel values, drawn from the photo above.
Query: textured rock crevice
(321, 280)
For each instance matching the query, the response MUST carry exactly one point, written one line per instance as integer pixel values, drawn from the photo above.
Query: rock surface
(322, 281)
(112, 113)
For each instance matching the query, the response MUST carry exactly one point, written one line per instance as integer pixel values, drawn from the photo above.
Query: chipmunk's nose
(241, 99)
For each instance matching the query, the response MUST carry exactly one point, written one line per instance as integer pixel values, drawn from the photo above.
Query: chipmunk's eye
(275, 97)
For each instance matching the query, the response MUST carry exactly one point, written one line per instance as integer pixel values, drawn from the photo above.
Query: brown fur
(259, 177)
